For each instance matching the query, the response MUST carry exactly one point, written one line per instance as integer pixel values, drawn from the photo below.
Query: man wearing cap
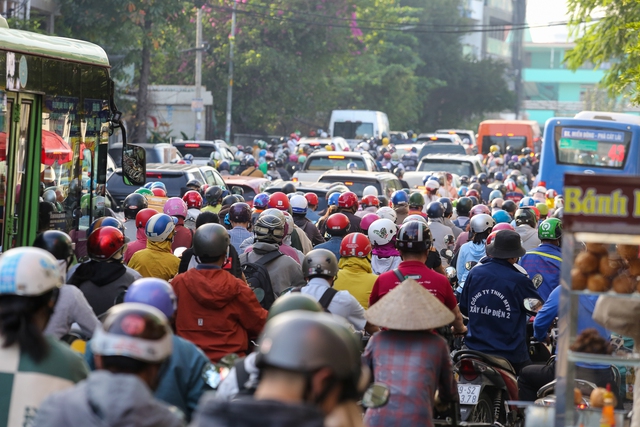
(493, 299)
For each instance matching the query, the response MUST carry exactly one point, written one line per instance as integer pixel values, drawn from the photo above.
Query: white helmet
(481, 223)
(299, 204)
(382, 231)
(541, 189)
(432, 184)
(29, 271)
(386, 212)
(416, 217)
(370, 190)
(363, 146)
(290, 224)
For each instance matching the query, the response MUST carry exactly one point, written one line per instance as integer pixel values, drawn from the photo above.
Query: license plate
(468, 394)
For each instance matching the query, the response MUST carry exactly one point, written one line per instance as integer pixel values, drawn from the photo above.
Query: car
(156, 153)
(416, 179)
(439, 137)
(452, 163)
(385, 182)
(319, 162)
(337, 144)
(205, 152)
(441, 148)
(251, 185)
(319, 188)
(462, 133)
(211, 176)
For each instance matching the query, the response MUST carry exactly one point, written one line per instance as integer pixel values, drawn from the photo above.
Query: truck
(356, 125)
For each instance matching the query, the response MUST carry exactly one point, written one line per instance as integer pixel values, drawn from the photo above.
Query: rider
(348, 205)
(416, 204)
(493, 299)
(141, 238)
(369, 204)
(213, 196)
(546, 259)
(355, 274)
(157, 260)
(463, 207)
(448, 214)
(527, 228)
(299, 208)
(193, 200)
(34, 365)
(240, 218)
(435, 212)
(312, 205)
(129, 352)
(177, 208)
(132, 204)
(337, 227)
(474, 250)
(385, 256)
(400, 201)
(252, 169)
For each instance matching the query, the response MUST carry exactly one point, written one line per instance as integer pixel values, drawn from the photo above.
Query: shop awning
(54, 148)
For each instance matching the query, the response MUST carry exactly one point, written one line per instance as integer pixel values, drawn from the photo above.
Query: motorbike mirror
(470, 264)
(450, 272)
(449, 239)
(537, 280)
(532, 305)
(134, 169)
(447, 253)
(376, 396)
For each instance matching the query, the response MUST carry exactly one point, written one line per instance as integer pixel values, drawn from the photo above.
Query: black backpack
(258, 278)
(324, 300)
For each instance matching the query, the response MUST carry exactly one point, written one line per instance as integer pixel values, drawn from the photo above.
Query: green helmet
(144, 191)
(294, 301)
(550, 229)
(416, 199)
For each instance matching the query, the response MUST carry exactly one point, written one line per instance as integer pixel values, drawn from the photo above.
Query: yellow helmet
(494, 149)
(328, 147)
(385, 141)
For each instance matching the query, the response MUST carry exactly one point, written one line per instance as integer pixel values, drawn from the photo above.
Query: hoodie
(385, 258)
(468, 252)
(136, 245)
(156, 260)
(106, 399)
(529, 237)
(356, 277)
(216, 311)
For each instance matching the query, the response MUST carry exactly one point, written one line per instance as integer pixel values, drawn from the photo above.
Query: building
(26, 10)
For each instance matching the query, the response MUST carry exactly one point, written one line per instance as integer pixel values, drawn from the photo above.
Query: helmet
(473, 199)
(175, 206)
(143, 217)
(499, 176)
(464, 206)
(280, 201)
(105, 243)
(464, 180)
(432, 185)
(536, 211)
(415, 217)
(416, 200)
(223, 166)
(230, 199)
(550, 229)
(414, 236)
(370, 200)
(240, 212)
(481, 223)
(105, 221)
(193, 199)
(558, 213)
(384, 201)
(367, 220)
(448, 206)
(386, 212)
(289, 223)
(156, 184)
(497, 203)
(551, 193)
(462, 191)
(155, 292)
(312, 199)
(302, 159)
(28, 271)
(269, 226)
(261, 201)
(479, 209)
(387, 156)
(348, 200)
(132, 205)
(143, 191)
(159, 192)
(369, 190)
(473, 192)
(160, 227)
(213, 195)
(333, 199)
(501, 216)
(288, 188)
(543, 209)
(495, 194)
(382, 231)
(509, 206)
(134, 330)
(299, 205)
(270, 165)
(526, 216)
(210, 241)
(355, 244)
(502, 226)
(435, 210)
(526, 202)
(57, 243)
(510, 184)
(399, 197)
(482, 178)
(337, 224)
(193, 183)
(558, 201)
(319, 262)
(494, 149)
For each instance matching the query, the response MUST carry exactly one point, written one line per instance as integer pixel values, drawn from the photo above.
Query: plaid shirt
(413, 365)
(237, 236)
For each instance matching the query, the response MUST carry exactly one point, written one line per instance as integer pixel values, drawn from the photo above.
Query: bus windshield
(515, 142)
(353, 130)
(591, 146)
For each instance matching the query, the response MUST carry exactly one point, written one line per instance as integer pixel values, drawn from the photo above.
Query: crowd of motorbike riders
(164, 297)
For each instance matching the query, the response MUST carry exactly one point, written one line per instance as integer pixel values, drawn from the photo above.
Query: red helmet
(280, 201)
(367, 220)
(142, 217)
(159, 192)
(355, 244)
(479, 209)
(104, 243)
(387, 155)
(503, 226)
(204, 188)
(312, 199)
(474, 193)
(551, 193)
(337, 222)
(510, 184)
(369, 200)
(193, 199)
(537, 211)
(348, 199)
(491, 236)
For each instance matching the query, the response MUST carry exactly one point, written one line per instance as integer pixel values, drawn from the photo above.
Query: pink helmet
(175, 206)
(503, 226)
(479, 209)
(366, 221)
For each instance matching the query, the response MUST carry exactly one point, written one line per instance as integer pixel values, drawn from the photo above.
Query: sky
(544, 11)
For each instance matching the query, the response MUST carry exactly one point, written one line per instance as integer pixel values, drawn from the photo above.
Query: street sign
(197, 105)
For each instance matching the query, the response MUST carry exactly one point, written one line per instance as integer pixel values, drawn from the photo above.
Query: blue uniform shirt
(547, 262)
(493, 299)
(333, 245)
(312, 216)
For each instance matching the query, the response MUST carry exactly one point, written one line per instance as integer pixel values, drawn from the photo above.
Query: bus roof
(508, 122)
(52, 47)
(609, 116)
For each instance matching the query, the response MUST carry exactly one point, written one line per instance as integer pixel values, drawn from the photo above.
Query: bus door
(19, 168)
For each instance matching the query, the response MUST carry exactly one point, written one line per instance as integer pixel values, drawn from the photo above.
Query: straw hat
(409, 307)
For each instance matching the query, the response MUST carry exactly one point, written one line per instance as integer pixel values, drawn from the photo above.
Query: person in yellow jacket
(157, 260)
(355, 274)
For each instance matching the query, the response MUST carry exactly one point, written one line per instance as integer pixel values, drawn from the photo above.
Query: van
(356, 125)
(517, 134)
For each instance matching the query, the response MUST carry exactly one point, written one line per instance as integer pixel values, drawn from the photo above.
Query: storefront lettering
(592, 203)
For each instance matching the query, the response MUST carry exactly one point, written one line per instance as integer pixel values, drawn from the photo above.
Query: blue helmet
(462, 191)
(399, 197)
(105, 221)
(499, 176)
(154, 292)
(159, 184)
(224, 194)
(262, 153)
(333, 199)
(261, 201)
(501, 216)
(495, 194)
(352, 165)
(148, 185)
(159, 227)
(435, 210)
(526, 202)
(425, 178)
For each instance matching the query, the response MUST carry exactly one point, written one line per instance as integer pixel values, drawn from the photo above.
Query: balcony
(498, 48)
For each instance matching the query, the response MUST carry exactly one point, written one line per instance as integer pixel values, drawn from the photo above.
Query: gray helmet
(481, 223)
(319, 262)
(210, 241)
(270, 226)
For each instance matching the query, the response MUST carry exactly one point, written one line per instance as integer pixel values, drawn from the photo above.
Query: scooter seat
(497, 361)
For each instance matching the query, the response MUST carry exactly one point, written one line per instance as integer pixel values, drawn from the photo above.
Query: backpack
(258, 278)
(325, 299)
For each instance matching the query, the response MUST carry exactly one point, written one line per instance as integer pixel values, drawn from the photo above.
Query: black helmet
(269, 226)
(251, 162)
(271, 165)
(229, 200)
(510, 206)
(279, 163)
(503, 189)
(319, 262)
(213, 195)
(240, 198)
(399, 172)
(474, 200)
(223, 166)
(248, 150)
(237, 190)
(464, 180)
(194, 184)
(133, 204)
(294, 301)
(57, 243)
(464, 206)
(289, 188)
(384, 201)
(526, 216)
(448, 206)
(435, 210)
(210, 241)
(240, 212)
(482, 178)
(414, 236)
(510, 150)
(475, 186)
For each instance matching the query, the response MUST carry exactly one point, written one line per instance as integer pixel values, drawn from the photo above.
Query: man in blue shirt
(546, 259)
(493, 299)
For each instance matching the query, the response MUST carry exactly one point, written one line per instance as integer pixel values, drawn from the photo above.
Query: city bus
(57, 114)
(517, 134)
(591, 143)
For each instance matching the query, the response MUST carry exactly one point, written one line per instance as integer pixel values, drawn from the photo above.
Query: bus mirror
(134, 165)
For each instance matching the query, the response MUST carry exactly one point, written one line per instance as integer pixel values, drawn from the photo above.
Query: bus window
(592, 147)
(515, 142)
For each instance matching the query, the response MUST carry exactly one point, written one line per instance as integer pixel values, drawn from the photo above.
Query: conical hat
(409, 307)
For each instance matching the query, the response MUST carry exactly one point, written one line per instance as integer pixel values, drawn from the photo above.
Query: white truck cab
(356, 125)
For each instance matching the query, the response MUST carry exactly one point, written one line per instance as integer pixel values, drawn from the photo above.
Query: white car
(319, 162)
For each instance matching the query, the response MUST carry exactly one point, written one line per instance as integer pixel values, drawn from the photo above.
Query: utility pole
(517, 46)
(232, 38)
(197, 104)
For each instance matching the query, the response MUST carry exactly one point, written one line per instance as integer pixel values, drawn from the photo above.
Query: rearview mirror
(376, 396)
(447, 253)
(450, 272)
(470, 264)
(537, 280)
(134, 165)
(532, 305)
(449, 239)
